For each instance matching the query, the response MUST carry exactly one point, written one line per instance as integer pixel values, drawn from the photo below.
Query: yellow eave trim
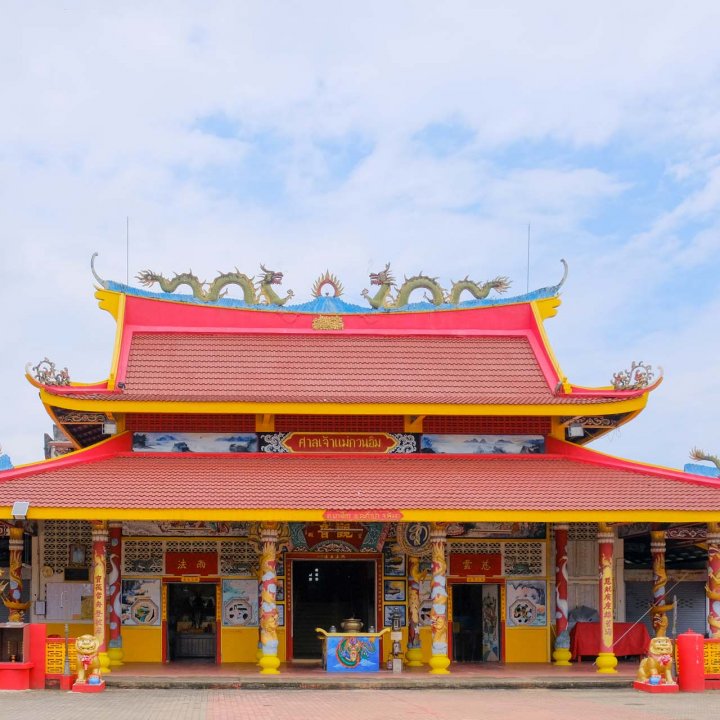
(184, 407)
(287, 515)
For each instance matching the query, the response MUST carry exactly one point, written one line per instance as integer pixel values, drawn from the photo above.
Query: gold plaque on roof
(328, 322)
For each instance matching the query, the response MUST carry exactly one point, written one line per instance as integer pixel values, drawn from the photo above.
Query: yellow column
(99, 544)
(439, 661)
(606, 661)
(269, 662)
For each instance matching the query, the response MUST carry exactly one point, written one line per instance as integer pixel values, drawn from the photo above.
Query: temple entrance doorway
(191, 622)
(476, 626)
(324, 593)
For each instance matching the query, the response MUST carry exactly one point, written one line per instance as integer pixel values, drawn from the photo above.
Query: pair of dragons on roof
(260, 289)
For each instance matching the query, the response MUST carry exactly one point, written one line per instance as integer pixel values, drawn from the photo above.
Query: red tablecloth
(628, 639)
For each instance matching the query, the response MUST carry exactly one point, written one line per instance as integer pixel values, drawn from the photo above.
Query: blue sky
(319, 135)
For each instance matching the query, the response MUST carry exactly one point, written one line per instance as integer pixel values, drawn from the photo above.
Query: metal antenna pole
(527, 288)
(127, 250)
(66, 665)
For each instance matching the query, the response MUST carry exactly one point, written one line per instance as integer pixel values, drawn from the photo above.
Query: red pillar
(99, 544)
(561, 654)
(606, 660)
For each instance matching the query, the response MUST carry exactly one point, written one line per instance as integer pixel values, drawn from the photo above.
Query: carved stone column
(606, 661)
(659, 606)
(115, 651)
(713, 586)
(414, 653)
(561, 654)
(13, 599)
(439, 661)
(269, 662)
(99, 579)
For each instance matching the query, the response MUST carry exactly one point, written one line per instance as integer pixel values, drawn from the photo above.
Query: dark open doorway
(192, 627)
(325, 592)
(476, 623)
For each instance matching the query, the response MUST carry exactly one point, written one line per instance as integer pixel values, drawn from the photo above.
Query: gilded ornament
(327, 278)
(328, 322)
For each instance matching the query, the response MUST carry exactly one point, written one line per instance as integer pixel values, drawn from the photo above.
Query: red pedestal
(88, 688)
(15, 676)
(648, 688)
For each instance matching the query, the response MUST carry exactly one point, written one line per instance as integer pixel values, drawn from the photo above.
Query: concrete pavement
(434, 704)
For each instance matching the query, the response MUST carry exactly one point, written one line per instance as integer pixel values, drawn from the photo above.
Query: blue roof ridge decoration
(698, 454)
(5, 461)
(258, 294)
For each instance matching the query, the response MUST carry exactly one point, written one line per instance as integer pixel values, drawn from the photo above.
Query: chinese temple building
(252, 470)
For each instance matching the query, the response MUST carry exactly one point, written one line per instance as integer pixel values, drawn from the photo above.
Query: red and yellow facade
(440, 450)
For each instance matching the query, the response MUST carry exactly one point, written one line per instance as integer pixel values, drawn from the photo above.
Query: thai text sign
(465, 565)
(316, 442)
(363, 515)
(191, 563)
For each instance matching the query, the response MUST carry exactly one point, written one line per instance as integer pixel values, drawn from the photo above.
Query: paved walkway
(537, 704)
(198, 675)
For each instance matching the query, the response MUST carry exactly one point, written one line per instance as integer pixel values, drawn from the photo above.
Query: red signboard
(316, 442)
(462, 564)
(363, 515)
(191, 563)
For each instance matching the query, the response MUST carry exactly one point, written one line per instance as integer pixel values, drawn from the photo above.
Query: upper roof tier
(193, 354)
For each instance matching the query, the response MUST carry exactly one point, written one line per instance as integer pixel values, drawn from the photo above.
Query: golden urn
(351, 625)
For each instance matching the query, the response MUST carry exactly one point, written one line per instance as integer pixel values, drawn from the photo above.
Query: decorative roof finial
(697, 454)
(102, 282)
(46, 374)
(327, 278)
(639, 376)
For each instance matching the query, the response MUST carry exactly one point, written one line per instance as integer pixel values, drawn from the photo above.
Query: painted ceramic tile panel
(482, 444)
(526, 603)
(240, 603)
(140, 602)
(182, 442)
(353, 654)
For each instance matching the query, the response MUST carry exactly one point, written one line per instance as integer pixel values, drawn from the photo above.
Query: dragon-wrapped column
(659, 607)
(713, 585)
(606, 661)
(414, 653)
(439, 661)
(561, 654)
(99, 579)
(269, 662)
(13, 600)
(115, 651)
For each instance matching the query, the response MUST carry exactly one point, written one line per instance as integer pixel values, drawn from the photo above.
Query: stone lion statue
(87, 647)
(658, 662)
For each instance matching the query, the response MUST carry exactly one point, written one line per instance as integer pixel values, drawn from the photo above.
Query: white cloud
(103, 112)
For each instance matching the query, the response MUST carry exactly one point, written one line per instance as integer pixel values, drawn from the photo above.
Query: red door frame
(323, 557)
(501, 610)
(174, 580)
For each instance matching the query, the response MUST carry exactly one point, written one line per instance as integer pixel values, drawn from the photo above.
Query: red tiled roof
(342, 482)
(298, 368)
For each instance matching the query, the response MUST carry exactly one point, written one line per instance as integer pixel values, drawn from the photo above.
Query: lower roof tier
(567, 484)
